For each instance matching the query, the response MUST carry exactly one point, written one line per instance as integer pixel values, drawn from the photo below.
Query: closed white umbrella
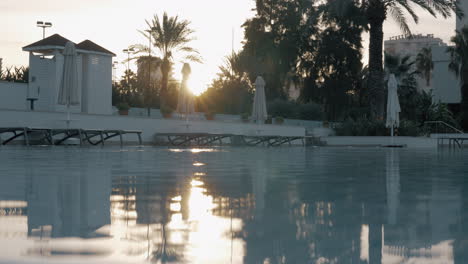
(69, 90)
(393, 104)
(259, 111)
(185, 103)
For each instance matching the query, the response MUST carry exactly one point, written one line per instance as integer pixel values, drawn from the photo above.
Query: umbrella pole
(68, 115)
(391, 133)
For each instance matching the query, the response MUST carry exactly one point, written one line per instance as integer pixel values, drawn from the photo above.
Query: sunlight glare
(196, 85)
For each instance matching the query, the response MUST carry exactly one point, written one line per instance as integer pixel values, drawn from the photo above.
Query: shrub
(210, 115)
(166, 110)
(279, 120)
(282, 108)
(122, 106)
(356, 113)
(310, 111)
(409, 129)
(362, 127)
(244, 117)
(366, 127)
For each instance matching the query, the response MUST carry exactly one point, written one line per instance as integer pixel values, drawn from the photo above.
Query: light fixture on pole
(43, 25)
(114, 68)
(128, 51)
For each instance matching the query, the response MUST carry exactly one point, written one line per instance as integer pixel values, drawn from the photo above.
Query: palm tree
(424, 64)
(170, 35)
(234, 68)
(459, 66)
(402, 67)
(376, 12)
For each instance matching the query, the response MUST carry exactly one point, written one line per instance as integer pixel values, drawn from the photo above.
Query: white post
(391, 133)
(68, 116)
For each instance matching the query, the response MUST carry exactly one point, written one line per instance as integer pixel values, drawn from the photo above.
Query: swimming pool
(232, 205)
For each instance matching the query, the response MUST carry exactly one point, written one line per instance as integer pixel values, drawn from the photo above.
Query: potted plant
(166, 111)
(123, 108)
(279, 120)
(268, 120)
(245, 117)
(210, 115)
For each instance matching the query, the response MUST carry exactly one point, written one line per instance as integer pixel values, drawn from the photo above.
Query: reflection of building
(46, 67)
(69, 204)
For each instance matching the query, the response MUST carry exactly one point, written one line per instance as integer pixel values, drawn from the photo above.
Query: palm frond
(399, 16)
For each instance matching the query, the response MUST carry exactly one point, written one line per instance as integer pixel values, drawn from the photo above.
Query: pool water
(233, 205)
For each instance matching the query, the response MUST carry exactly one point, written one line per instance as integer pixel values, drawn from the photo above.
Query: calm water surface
(233, 205)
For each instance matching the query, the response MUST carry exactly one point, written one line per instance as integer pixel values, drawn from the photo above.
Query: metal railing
(444, 125)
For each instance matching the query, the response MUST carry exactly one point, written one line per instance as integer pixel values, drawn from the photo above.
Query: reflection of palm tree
(166, 253)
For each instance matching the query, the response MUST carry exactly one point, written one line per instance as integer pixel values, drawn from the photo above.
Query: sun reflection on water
(194, 150)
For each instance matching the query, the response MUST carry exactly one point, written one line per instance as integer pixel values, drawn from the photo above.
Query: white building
(94, 70)
(404, 45)
(446, 86)
(45, 76)
(411, 45)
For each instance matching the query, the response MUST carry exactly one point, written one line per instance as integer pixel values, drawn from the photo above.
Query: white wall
(45, 79)
(13, 95)
(11, 118)
(97, 84)
(94, 77)
(41, 84)
(446, 87)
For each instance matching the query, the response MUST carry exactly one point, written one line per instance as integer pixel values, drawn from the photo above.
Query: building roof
(56, 41)
(91, 46)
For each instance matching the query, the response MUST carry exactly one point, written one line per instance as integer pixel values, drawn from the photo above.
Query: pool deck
(150, 128)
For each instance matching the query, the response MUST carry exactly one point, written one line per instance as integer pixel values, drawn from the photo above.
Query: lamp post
(114, 67)
(128, 51)
(150, 88)
(43, 25)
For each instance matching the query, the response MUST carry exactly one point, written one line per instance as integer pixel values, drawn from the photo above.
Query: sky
(114, 24)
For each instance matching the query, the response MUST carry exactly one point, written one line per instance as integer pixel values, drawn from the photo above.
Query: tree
(424, 64)
(274, 39)
(376, 12)
(148, 74)
(127, 90)
(459, 66)
(338, 59)
(232, 91)
(404, 70)
(170, 35)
